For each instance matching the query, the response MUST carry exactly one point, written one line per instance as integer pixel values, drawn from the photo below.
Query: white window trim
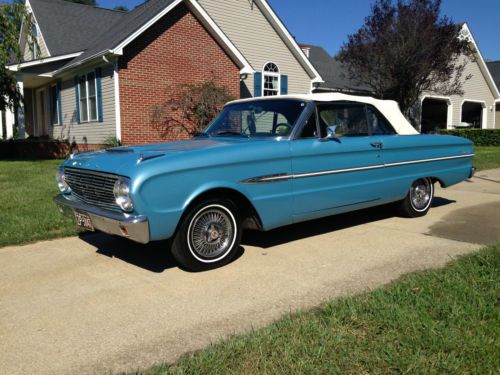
(272, 74)
(35, 48)
(87, 97)
(55, 121)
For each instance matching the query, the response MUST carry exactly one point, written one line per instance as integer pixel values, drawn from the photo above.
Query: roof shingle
(333, 72)
(494, 68)
(69, 27)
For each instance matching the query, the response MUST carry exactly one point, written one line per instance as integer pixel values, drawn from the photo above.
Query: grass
(432, 322)
(28, 212)
(487, 158)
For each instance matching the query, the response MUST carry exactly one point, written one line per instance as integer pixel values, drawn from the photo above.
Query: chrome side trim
(285, 176)
(267, 178)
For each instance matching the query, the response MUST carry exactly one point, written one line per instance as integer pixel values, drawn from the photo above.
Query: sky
(328, 22)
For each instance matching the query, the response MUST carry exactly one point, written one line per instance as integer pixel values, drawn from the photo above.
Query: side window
(348, 118)
(309, 130)
(377, 123)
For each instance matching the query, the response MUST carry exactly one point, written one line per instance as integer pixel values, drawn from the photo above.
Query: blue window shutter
(257, 84)
(284, 84)
(77, 96)
(51, 103)
(98, 74)
(59, 102)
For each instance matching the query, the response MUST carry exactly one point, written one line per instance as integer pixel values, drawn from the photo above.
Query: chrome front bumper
(134, 227)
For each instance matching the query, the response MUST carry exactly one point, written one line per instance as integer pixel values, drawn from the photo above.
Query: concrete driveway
(97, 304)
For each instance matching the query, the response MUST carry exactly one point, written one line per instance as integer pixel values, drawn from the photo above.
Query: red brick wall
(176, 50)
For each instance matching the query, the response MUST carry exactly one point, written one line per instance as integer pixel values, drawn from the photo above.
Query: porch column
(20, 108)
(1, 125)
(9, 123)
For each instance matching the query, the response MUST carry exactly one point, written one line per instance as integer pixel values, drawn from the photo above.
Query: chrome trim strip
(90, 171)
(285, 176)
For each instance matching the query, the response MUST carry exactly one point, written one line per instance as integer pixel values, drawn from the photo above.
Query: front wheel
(419, 199)
(209, 235)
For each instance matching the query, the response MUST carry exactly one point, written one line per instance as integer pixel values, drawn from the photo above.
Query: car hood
(120, 160)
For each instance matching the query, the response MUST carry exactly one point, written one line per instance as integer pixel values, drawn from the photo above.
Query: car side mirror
(330, 132)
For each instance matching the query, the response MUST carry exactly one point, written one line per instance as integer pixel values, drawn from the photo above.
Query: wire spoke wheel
(211, 233)
(421, 194)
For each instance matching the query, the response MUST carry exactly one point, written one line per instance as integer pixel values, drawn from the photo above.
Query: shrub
(190, 109)
(111, 142)
(480, 137)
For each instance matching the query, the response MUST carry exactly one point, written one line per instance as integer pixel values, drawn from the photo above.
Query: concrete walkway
(97, 304)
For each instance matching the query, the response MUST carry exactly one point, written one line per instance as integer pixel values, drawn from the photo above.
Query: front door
(41, 110)
(337, 174)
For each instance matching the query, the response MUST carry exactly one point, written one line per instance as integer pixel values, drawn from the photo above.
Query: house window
(88, 97)
(271, 81)
(54, 104)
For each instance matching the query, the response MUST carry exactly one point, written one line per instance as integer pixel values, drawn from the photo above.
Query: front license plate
(83, 220)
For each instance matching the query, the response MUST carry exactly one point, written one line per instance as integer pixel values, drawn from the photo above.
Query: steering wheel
(282, 128)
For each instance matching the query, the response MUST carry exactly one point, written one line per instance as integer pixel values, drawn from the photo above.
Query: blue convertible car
(261, 164)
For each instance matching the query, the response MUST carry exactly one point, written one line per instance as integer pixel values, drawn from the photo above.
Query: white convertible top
(389, 108)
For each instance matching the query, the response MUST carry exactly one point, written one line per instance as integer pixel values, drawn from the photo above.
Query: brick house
(97, 74)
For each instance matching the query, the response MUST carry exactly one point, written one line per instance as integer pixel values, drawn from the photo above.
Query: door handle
(376, 144)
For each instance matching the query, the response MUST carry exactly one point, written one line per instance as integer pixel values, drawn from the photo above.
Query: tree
(11, 17)
(121, 8)
(405, 48)
(86, 2)
(190, 108)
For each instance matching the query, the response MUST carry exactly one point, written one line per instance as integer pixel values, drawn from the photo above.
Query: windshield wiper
(229, 132)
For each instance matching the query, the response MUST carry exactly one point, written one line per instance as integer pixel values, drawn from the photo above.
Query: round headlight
(121, 191)
(61, 182)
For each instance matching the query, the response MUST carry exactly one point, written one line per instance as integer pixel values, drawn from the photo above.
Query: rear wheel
(209, 235)
(419, 198)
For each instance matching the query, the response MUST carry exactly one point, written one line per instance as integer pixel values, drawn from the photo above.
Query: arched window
(271, 81)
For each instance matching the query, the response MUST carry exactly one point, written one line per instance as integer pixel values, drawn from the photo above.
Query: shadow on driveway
(325, 225)
(156, 256)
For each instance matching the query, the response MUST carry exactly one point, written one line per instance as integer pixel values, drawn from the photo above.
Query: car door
(337, 174)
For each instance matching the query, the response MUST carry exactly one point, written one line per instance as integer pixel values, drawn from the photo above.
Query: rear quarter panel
(453, 164)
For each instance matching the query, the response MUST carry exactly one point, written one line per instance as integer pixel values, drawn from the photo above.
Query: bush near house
(40, 148)
(480, 137)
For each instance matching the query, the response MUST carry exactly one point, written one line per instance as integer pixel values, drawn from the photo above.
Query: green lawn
(28, 213)
(487, 158)
(444, 321)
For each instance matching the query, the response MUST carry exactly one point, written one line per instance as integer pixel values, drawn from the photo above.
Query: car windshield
(257, 118)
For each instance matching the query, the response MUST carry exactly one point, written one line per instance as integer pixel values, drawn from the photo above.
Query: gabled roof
(289, 40)
(112, 37)
(124, 27)
(333, 72)
(69, 27)
(466, 33)
(494, 68)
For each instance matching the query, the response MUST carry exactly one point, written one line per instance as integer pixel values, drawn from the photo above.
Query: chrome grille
(91, 187)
